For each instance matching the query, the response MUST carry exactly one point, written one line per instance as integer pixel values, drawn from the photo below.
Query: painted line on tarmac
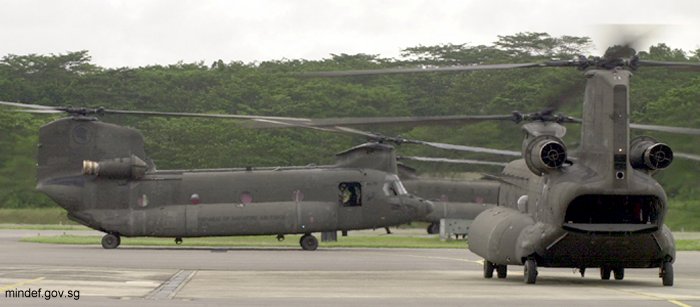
(480, 262)
(168, 289)
(656, 297)
(21, 283)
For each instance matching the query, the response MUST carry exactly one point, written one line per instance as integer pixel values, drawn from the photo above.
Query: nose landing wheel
(111, 241)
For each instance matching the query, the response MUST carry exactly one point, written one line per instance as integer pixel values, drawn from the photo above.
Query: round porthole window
(246, 198)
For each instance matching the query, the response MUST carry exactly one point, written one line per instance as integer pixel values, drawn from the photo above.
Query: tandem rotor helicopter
(597, 208)
(101, 175)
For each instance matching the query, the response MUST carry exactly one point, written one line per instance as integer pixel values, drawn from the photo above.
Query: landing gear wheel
(308, 242)
(433, 228)
(619, 273)
(605, 273)
(530, 271)
(111, 241)
(488, 269)
(502, 270)
(280, 238)
(667, 274)
(178, 241)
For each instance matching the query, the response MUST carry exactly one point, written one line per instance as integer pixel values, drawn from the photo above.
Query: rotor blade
(393, 121)
(400, 140)
(446, 160)
(204, 115)
(27, 105)
(100, 111)
(686, 65)
(468, 148)
(402, 70)
(38, 111)
(679, 130)
(686, 156)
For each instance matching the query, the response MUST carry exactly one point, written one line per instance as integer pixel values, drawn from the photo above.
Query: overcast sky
(141, 32)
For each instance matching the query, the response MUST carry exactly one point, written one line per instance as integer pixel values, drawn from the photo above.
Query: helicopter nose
(419, 207)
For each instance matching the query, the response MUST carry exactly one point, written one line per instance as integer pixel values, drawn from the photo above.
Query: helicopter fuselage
(234, 202)
(96, 171)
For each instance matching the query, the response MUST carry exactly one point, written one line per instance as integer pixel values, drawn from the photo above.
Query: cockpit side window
(350, 194)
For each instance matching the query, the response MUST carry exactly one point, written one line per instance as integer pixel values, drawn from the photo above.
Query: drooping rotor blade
(411, 70)
(679, 130)
(38, 111)
(205, 115)
(454, 161)
(394, 121)
(35, 108)
(469, 148)
(684, 65)
(27, 105)
(686, 156)
(400, 140)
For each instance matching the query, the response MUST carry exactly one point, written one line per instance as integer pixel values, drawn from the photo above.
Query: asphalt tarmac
(177, 276)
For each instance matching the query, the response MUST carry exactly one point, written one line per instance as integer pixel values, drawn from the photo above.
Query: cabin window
(350, 194)
(246, 198)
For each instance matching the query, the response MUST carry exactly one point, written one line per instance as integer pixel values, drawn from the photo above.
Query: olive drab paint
(101, 175)
(594, 211)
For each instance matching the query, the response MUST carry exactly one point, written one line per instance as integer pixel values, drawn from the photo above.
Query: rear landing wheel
(530, 271)
(433, 228)
(308, 242)
(502, 270)
(110, 241)
(605, 273)
(667, 274)
(488, 269)
(619, 273)
(178, 240)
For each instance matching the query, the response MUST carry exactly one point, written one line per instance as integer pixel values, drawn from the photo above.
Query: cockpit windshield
(393, 186)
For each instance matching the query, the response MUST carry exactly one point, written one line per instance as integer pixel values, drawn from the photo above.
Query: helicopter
(597, 208)
(100, 173)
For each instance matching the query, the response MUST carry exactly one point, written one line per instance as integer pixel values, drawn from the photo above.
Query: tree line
(658, 96)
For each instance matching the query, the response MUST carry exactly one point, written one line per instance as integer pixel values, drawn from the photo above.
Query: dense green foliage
(659, 96)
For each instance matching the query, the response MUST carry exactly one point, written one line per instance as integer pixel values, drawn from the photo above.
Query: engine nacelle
(119, 168)
(544, 154)
(646, 153)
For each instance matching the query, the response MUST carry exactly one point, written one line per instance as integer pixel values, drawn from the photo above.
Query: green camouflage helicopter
(100, 173)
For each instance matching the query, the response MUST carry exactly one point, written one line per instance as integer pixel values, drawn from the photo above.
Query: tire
(488, 269)
(605, 273)
(530, 273)
(667, 274)
(502, 271)
(433, 228)
(619, 273)
(308, 242)
(110, 241)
